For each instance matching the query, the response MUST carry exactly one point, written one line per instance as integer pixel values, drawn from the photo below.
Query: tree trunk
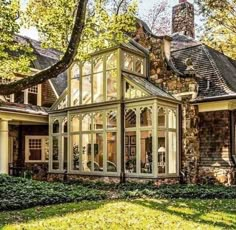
(60, 66)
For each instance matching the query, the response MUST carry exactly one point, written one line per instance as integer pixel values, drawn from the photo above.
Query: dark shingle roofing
(23, 108)
(148, 86)
(44, 59)
(215, 72)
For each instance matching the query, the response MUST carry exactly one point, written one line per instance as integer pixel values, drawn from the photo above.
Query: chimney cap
(181, 1)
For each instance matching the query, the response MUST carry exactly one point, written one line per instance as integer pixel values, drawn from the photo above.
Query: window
(37, 148)
(133, 63)
(132, 92)
(98, 81)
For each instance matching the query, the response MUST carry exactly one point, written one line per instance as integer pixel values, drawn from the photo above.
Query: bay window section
(75, 139)
(112, 152)
(98, 151)
(55, 153)
(86, 152)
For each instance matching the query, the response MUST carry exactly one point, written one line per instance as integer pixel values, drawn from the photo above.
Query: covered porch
(17, 124)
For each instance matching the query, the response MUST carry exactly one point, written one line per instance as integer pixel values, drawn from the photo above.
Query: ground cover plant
(126, 214)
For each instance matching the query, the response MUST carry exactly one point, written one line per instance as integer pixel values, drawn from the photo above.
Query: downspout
(232, 136)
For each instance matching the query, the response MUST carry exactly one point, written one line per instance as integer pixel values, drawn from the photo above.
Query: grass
(126, 214)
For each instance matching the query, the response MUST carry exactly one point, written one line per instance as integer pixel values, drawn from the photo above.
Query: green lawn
(126, 214)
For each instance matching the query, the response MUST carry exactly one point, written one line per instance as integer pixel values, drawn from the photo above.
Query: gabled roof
(216, 73)
(44, 59)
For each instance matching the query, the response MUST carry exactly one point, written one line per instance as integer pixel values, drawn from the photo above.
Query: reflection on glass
(111, 61)
(86, 122)
(98, 151)
(75, 152)
(86, 69)
(130, 152)
(98, 87)
(98, 121)
(128, 62)
(130, 118)
(55, 127)
(86, 153)
(172, 147)
(55, 153)
(112, 120)
(172, 119)
(75, 123)
(146, 152)
(111, 77)
(139, 66)
(161, 153)
(86, 90)
(146, 116)
(75, 85)
(161, 117)
(98, 65)
(132, 92)
(112, 152)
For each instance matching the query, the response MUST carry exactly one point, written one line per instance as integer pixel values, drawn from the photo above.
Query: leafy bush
(20, 193)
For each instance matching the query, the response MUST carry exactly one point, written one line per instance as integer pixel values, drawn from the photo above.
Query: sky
(144, 6)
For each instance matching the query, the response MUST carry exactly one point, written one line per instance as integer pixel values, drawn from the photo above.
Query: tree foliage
(14, 56)
(220, 25)
(76, 29)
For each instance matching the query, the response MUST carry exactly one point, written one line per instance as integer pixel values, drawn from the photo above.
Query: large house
(159, 108)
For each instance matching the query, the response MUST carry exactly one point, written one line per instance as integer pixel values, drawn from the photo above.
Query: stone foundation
(52, 177)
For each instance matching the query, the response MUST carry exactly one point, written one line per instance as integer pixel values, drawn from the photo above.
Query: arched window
(55, 126)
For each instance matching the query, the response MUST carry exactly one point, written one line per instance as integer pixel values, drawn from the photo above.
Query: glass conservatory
(112, 120)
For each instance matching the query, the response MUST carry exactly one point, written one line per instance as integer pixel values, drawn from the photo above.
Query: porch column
(3, 146)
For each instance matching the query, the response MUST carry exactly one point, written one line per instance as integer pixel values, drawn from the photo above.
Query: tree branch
(60, 66)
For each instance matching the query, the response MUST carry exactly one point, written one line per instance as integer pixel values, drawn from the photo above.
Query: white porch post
(3, 146)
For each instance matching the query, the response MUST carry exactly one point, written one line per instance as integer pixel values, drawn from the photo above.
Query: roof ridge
(217, 71)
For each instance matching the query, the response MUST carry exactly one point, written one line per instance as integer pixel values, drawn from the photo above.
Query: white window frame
(27, 152)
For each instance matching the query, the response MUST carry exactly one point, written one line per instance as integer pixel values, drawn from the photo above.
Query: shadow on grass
(216, 213)
(44, 212)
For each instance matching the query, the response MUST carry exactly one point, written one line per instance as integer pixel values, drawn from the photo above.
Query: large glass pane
(55, 126)
(65, 126)
(55, 153)
(32, 98)
(111, 61)
(161, 152)
(111, 152)
(130, 118)
(146, 116)
(172, 147)
(75, 152)
(172, 119)
(112, 120)
(146, 152)
(111, 78)
(75, 85)
(98, 121)
(46, 149)
(132, 92)
(98, 87)
(65, 140)
(139, 66)
(86, 153)
(98, 65)
(86, 122)
(86, 69)
(130, 152)
(128, 62)
(161, 117)
(75, 123)
(98, 151)
(86, 90)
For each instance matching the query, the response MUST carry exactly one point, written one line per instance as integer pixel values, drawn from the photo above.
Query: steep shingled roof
(216, 72)
(44, 59)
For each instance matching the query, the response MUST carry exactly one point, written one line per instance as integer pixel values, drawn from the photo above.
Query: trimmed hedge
(20, 193)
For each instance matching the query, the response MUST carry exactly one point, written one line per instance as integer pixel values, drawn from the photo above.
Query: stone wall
(183, 19)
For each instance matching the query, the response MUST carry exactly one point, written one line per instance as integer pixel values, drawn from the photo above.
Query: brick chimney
(183, 18)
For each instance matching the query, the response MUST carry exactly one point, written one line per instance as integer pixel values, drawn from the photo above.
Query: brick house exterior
(199, 82)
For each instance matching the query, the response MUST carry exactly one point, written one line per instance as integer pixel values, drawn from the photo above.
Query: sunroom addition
(113, 121)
